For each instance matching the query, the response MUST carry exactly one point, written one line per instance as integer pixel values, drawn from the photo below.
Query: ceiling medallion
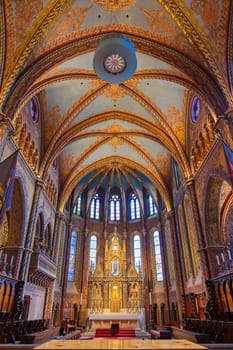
(114, 5)
(115, 59)
(114, 64)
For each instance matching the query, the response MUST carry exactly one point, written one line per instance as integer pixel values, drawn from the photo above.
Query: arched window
(114, 207)
(95, 207)
(77, 206)
(73, 246)
(151, 206)
(93, 250)
(137, 252)
(134, 206)
(158, 257)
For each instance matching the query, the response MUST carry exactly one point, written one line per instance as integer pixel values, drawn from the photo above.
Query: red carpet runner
(122, 334)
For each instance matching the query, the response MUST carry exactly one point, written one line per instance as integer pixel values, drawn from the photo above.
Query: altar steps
(126, 332)
(103, 332)
(107, 333)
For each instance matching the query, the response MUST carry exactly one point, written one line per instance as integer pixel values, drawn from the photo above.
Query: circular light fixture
(114, 64)
(115, 59)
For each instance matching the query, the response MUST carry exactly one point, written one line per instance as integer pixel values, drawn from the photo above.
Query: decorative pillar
(170, 216)
(84, 280)
(39, 186)
(6, 129)
(105, 253)
(59, 218)
(65, 268)
(200, 235)
(125, 253)
(166, 268)
(147, 285)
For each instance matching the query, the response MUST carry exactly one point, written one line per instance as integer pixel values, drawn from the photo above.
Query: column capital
(60, 215)
(224, 127)
(5, 121)
(169, 214)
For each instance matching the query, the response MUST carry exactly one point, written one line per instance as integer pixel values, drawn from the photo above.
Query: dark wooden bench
(38, 337)
(195, 337)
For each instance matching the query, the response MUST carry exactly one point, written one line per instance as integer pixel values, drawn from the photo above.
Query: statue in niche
(133, 298)
(133, 292)
(97, 300)
(115, 267)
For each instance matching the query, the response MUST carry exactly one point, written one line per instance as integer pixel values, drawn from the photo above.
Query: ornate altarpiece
(115, 288)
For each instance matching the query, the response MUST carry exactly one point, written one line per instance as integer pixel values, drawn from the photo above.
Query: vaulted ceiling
(132, 129)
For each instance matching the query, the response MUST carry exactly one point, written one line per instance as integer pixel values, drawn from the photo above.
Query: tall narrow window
(158, 257)
(152, 208)
(73, 246)
(77, 206)
(114, 207)
(95, 207)
(93, 250)
(137, 252)
(135, 212)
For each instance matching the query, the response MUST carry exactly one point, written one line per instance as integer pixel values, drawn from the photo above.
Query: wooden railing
(218, 331)
(13, 331)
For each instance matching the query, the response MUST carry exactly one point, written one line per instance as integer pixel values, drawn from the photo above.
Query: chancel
(116, 173)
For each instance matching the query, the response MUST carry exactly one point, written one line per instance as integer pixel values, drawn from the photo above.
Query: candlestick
(223, 258)
(81, 299)
(217, 258)
(229, 254)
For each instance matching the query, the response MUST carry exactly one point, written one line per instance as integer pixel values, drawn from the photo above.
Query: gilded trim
(197, 38)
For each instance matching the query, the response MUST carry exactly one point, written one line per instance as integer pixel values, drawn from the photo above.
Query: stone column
(165, 266)
(105, 254)
(170, 217)
(200, 234)
(84, 279)
(65, 268)
(39, 186)
(125, 253)
(59, 218)
(6, 129)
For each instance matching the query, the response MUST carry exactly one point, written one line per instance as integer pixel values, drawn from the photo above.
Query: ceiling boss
(115, 58)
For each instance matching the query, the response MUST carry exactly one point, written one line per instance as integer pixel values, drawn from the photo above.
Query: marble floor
(147, 344)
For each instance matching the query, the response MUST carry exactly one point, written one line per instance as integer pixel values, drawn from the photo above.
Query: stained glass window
(158, 257)
(137, 252)
(135, 212)
(114, 207)
(93, 250)
(77, 206)
(95, 207)
(152, 208)
(73, 246)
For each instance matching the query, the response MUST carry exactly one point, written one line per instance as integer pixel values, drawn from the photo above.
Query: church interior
(116, 169)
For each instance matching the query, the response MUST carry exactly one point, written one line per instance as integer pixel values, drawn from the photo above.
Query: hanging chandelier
(115, 59)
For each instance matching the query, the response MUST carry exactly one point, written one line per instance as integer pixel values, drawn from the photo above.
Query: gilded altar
(115, 287)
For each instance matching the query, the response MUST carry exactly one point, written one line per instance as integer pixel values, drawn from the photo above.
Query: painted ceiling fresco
(88, 125)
